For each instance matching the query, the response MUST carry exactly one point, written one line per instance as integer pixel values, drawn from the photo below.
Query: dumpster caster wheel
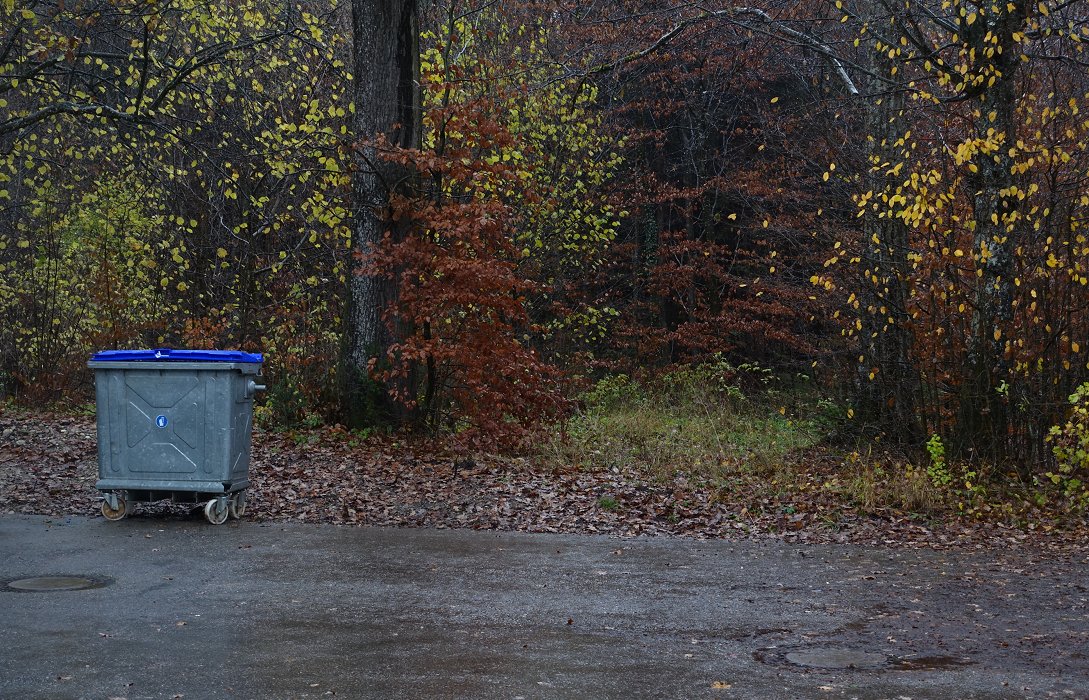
(237, 506)
(111, 513)
(214, 515)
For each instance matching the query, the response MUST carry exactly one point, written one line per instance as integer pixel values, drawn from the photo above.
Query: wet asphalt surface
(184, 609)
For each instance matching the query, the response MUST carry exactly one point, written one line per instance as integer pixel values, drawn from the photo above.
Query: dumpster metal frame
(222, 384)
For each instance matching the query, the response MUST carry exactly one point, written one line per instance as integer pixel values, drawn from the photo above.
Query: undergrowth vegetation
(712, 420)
(773, 441)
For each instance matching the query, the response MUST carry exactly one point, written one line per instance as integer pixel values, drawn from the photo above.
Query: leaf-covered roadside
(48, 466)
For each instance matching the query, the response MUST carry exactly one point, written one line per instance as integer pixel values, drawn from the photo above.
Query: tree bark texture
(387, 103)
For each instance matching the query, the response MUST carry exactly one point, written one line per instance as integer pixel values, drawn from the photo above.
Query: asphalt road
(189, 610)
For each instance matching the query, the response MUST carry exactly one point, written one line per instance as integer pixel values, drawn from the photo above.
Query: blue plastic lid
(170, 355)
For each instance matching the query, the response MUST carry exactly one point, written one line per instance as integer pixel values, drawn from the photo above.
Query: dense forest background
(478, 219)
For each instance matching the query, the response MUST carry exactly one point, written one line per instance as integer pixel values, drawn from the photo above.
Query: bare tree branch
(58, 108)
(732, 13)
(807, 39)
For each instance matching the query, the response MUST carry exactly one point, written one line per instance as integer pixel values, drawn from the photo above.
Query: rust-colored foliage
(722, 147)
(465, 358)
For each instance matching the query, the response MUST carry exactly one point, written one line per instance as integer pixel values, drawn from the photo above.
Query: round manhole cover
(47, 584)
(837, 659)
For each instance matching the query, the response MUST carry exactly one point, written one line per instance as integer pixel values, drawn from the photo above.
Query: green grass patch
(713, 420)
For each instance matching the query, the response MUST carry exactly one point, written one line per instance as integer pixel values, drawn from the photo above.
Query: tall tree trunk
(982, 421)
(387, 103)
(888, 380)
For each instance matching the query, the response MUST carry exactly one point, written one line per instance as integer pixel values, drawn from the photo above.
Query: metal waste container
(175, 424)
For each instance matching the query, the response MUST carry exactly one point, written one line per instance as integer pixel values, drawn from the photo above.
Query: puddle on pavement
(844, 659)
(837, 659)
(53, 584)
(927, 663)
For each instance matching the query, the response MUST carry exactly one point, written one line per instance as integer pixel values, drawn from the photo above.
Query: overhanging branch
(732, 13)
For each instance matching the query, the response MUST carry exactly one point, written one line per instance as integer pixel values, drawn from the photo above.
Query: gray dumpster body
(175, 424)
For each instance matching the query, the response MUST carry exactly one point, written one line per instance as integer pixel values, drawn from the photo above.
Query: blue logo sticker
(161, 421)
